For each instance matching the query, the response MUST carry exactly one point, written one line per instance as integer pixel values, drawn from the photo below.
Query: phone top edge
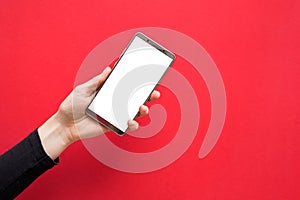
(158, 46)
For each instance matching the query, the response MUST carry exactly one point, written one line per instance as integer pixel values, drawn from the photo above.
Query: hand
(72, 109)
(70, 123)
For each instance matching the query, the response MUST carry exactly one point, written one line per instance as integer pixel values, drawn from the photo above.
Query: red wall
(255, 45)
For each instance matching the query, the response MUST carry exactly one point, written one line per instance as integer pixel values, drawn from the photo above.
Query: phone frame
(162, 49)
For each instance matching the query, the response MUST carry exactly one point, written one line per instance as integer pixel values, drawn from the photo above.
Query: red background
(255, 45)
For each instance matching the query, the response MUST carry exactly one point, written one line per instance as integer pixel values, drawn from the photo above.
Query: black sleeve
(22, 164)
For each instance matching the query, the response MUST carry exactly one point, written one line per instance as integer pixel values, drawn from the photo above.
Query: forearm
(55, 136)
(22, 164)
(34, 155)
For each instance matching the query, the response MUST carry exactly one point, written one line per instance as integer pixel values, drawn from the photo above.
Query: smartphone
(134, 76)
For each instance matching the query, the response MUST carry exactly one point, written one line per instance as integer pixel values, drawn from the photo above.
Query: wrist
(55, 136)
(69, 134)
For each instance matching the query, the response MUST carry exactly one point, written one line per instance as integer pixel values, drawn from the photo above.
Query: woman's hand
(70, 123)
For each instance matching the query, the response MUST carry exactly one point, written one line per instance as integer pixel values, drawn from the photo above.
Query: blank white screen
(130, 83)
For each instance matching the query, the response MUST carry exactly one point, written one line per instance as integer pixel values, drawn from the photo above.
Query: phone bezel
(159, 47)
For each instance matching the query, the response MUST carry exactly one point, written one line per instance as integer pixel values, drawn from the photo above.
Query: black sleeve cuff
(22, 164)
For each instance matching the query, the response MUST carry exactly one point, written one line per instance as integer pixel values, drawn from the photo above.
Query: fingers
(143, 110)
(132, 125)
(154, 96)
(95, 82)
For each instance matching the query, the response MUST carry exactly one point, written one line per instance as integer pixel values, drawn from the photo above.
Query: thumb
(98, 80)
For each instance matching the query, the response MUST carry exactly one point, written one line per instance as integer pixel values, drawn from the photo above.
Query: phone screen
(130, 83)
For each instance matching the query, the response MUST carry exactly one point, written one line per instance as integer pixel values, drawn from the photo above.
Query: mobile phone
(134, 76)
